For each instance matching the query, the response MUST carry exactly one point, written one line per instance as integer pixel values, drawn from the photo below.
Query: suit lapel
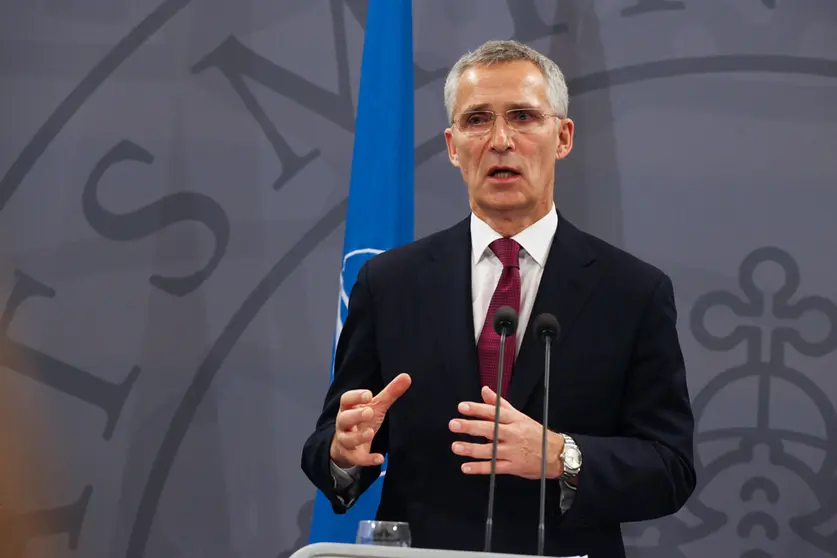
(568, 279)
(448, 280)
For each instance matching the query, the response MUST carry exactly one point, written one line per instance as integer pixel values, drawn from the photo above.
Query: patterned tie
(507, 293)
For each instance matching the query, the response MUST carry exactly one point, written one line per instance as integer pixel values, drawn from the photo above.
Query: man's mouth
(502, 172)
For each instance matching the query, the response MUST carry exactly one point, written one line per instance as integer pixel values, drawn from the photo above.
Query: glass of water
(383, 533)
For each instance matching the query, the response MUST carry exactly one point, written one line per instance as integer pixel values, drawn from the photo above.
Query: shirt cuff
(343, 479)
(567, 495)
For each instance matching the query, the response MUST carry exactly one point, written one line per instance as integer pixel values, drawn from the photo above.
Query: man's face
(530, 152)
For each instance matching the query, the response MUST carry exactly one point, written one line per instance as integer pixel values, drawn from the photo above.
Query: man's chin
(507, 201)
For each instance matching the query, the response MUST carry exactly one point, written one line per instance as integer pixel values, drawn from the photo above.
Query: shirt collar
(535, 240)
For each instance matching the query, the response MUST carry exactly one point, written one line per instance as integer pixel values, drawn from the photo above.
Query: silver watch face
(572, 459)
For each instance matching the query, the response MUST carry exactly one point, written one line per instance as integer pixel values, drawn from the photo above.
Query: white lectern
(337, 550)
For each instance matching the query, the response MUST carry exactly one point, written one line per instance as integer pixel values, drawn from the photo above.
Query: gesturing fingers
(367, 459)
(485, 411)
(480, 451)
(351, 439)
(346, 420)
(392, 391)
(490, 397)
(482, 428)
(355, 397)
(504, 467)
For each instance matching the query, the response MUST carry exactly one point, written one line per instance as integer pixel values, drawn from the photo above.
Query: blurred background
(173, 177)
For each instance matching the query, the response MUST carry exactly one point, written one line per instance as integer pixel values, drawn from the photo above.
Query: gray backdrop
(173, 178)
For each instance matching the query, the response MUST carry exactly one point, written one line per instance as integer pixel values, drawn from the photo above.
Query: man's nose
(500, 135)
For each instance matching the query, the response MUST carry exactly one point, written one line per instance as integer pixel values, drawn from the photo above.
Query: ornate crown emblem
(766, 433)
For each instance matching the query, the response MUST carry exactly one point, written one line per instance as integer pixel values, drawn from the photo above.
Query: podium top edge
(345, 550)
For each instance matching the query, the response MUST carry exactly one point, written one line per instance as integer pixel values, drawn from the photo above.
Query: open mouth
(502, 172)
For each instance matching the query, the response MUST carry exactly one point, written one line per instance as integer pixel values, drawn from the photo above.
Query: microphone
(505, 324)
(547, 329)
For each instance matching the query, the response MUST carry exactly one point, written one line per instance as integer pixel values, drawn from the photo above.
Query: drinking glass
(383, 533)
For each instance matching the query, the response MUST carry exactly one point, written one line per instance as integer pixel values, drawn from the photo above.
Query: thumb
(392, 392)
(490, 397)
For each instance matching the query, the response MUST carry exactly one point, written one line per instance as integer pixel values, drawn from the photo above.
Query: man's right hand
(359, 419)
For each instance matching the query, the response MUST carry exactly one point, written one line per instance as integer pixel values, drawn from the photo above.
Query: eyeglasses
(479, 122)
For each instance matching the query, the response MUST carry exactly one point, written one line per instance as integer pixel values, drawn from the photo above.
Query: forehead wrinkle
(531, 86)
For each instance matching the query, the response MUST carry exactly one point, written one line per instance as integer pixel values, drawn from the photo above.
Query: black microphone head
(505, 319)
(546, 325)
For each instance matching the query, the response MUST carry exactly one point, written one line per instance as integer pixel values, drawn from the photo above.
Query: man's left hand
(518, 445)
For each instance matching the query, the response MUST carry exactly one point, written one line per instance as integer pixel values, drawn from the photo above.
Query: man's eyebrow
(516, 106)
(510, 106)
(477, 107)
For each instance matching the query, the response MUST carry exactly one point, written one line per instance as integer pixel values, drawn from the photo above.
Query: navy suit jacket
(617, 386)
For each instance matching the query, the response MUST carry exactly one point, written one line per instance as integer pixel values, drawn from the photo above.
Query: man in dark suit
(415, 366)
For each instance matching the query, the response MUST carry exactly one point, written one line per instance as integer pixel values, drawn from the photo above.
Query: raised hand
(519, 440)
(358, 420)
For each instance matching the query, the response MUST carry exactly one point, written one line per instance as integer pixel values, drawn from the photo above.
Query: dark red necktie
(507, 293)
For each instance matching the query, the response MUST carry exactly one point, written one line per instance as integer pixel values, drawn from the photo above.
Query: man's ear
(566, 132)
(453, 156)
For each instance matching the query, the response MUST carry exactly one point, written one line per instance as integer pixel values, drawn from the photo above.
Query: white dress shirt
(535, 242)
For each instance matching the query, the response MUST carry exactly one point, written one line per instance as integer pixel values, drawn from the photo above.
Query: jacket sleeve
(647, 470)
(356, 366)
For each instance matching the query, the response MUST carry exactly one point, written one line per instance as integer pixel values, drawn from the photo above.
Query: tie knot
(507, 251)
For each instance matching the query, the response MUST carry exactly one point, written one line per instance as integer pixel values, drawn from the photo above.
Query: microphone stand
(489, 521)
(505, 324)
(547, 328)
(542, 512)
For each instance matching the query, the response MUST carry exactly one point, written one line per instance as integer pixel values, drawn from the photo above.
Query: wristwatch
(571, 458)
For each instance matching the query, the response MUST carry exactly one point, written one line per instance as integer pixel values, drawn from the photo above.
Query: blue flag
(380, 208)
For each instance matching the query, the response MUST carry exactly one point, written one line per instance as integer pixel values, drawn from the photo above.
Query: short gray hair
(497, 52)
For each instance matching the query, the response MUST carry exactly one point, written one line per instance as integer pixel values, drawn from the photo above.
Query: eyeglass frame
(454, 122)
